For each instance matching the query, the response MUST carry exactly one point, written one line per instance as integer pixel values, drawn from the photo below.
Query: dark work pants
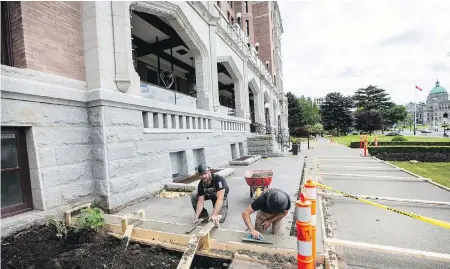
(204, 213)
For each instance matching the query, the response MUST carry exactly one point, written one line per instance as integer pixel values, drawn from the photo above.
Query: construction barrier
(303, 224)
(311, 195)
(439, 223)
(365, 146)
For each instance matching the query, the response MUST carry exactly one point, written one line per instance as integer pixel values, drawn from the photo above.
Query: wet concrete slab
(287, 173)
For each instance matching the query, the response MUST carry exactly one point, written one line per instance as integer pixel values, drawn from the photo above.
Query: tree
(315, 129)
(335, 112)
(394, 115)
(295, 116)
(372, 98)
(310, 110)
(368, 121)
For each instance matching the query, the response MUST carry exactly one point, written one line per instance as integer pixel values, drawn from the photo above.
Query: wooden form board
(194, 242)
(179, 241)
(389, 249)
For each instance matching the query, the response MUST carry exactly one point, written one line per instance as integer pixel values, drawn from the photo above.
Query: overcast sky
(337, 45)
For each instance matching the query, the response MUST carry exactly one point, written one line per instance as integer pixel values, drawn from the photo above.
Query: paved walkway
(287, 172)
(352, 220)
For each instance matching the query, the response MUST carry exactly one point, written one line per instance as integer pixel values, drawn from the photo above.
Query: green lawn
(349, 138)
(439, 172)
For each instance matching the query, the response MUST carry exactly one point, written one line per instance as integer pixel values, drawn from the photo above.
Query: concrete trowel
(199, 221)
(252, 239)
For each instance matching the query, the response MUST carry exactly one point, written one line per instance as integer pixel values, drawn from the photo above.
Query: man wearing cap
(272, 206)
(211, 187)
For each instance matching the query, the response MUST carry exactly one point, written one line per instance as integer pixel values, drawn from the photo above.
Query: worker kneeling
(272, 206)
(211, 187)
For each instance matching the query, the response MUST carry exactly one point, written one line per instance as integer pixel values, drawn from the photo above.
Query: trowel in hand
(201, 220)
(252, 239)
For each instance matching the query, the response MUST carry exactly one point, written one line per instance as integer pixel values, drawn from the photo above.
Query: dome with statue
(437, 89)
(436, 109)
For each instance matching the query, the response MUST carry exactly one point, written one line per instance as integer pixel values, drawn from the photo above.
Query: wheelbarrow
(258, 181)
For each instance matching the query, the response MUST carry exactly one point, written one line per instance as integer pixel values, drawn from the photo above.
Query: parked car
(425, 131)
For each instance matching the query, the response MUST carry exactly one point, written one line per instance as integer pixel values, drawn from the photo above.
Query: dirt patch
(38, 247)
(276, 260)
(195, 177)
(262, 174)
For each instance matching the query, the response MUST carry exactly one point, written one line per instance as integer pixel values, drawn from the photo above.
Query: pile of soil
(262, 174)
(38, 247)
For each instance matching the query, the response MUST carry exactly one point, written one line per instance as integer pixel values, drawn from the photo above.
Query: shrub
(296, 140)
(399, 138)
(422, 154)
(393, 134)
(92, 218)
(300, 132)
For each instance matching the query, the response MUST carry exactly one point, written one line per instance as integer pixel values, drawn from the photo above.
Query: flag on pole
(417, 87)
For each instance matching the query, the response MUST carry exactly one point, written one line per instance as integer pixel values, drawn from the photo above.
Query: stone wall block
(60, 136)
(130, 166)
(76, 190)
(97, 153)
(41, 114)
(96, 135)
(72, 154)
(123, 184)
(98, 170)
(60, 175)
(120, 151)
(52, 198)
(95, 116)
(156, 175)
(100, 187)
(120, 116)
(47, 157)
(123, 134)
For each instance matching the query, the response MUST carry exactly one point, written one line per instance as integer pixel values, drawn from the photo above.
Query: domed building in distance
(436, 109)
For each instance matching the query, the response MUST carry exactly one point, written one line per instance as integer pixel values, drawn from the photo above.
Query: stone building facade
(436, 109)
(107, 101)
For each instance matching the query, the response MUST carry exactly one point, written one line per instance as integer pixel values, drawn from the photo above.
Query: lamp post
(445, 127)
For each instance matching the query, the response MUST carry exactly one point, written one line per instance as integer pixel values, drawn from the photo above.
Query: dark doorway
(16, 188)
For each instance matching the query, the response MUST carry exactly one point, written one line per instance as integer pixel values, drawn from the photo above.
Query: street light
(445, 127)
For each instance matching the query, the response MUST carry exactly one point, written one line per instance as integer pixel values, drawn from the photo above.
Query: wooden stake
(68, 213)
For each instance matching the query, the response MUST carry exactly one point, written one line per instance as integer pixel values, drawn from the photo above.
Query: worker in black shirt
(272, 206)
(211, 187)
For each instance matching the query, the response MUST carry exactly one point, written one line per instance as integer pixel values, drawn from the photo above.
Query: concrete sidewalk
(342, 168)
(287, 173)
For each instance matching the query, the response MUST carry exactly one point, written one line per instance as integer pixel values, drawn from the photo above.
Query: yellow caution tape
(440, 223)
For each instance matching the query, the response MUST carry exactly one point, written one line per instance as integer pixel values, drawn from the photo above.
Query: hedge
(355, 144)
(422, 154)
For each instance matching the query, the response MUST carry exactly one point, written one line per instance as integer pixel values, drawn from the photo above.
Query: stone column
(98, 45)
